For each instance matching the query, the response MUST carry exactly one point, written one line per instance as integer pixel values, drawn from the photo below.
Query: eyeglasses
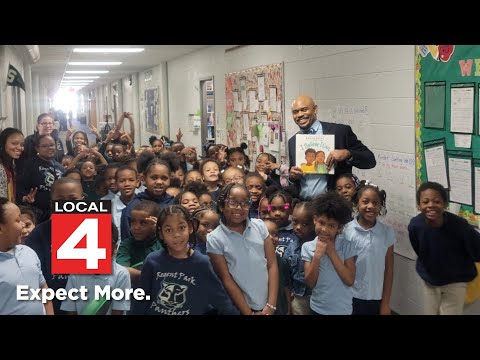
(44, 146)
(233, 204)
(46, 124)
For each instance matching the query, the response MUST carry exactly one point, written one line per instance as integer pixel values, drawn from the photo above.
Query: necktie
(309, 131)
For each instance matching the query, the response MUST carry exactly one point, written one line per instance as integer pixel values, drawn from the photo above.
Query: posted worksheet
(261, 87)
(463, 140)
(461, 117)
(436, 165)
(477, 190)
(460, 176)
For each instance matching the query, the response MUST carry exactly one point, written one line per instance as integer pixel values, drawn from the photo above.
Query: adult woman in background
(45, 126)
(11, 147)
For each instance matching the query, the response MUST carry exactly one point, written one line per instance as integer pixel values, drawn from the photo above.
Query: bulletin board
(447, 146)
(255, 111)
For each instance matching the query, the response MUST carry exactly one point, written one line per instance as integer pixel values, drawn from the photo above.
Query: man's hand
(295, 173)
(337, 156)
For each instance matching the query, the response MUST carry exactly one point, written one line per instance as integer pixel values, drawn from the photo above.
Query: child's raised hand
(93, 129)
(179, 134)
(30, 197)
(273, 166)
(152, 219)
(222, 154)
(70, 131)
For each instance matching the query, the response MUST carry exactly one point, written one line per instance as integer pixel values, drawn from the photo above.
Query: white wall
(158, 79)
(378, 77)
(8, 55)
(184, 75)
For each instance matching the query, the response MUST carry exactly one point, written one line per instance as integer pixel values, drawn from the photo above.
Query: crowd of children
(208, 236)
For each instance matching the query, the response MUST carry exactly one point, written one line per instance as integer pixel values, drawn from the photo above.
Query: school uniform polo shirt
(20, 266)
(330, 296)
(245, 256)
(372, 245)
(119, 279)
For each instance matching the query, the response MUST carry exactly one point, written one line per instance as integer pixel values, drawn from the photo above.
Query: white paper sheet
(273, 98)
(274, 139)
(246, 124)
(454, 208)
(261, 87)
(463, 141)
(477, 190)
(435, 164)
(279, 106)
(243, 90)
(266, 106)
(236, 106)
(460, 176)
(251, 101)
(461, 116)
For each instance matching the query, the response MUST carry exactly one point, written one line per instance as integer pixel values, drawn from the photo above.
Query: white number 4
(92, 253)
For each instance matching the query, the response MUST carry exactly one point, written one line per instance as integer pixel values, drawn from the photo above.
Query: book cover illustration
(312, 151)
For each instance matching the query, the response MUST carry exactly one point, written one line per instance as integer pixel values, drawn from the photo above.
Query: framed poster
(151, 110)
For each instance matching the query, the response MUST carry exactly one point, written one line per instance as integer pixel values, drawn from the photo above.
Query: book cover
(312, 151)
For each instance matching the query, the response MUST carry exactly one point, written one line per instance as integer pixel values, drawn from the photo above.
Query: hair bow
(369, 183)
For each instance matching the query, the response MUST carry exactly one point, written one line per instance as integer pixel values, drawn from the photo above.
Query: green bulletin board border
(466, 212)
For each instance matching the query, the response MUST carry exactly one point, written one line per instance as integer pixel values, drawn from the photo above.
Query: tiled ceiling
(54, 58)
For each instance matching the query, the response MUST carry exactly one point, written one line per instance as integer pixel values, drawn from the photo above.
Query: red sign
(81, 240)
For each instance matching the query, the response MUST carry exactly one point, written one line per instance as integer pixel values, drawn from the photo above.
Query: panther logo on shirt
(172, 295)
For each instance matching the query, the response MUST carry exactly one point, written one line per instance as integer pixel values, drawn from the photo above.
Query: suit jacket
(345, 138)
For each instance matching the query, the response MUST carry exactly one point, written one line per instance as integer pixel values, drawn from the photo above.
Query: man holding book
(348, 152)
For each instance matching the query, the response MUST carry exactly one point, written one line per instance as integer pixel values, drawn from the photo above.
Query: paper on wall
(261, 87)
(251, 101)
(463, 140)
(273, 98)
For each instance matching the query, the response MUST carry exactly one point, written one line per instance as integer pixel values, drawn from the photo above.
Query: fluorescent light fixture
(83, 81)
(108, 50)
(81, 77)
(95, 63)
(79, 83)
(87, 72)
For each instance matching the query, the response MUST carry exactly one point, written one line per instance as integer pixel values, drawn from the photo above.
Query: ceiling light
(87, 72)
(81, 77)
(74, 83)
(108, 50)
(88, 63)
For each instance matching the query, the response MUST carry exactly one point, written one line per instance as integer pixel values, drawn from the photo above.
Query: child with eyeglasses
(243, 255)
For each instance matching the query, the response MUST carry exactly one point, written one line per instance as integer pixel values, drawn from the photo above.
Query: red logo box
(81, 243)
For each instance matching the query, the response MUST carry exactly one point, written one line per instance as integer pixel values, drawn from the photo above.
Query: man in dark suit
(349, 151)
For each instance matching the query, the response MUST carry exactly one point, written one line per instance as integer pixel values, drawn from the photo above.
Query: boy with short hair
(309, 166)
(142, 241)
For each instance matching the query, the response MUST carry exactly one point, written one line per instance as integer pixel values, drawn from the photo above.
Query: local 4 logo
(82, 237)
